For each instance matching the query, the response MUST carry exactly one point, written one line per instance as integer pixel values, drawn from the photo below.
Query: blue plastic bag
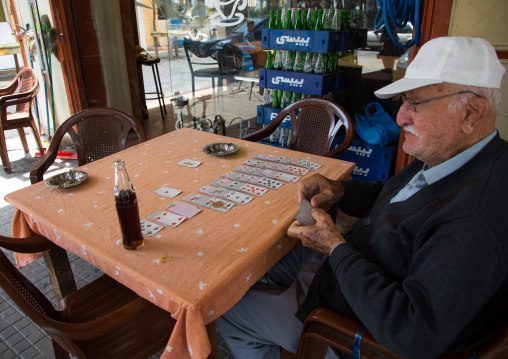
(376, 128)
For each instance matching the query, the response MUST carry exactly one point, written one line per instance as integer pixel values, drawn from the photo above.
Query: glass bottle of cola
(127, 208)
(320, 65)
(299, 61)
(275, 63)
(307, 66)
(288, 61)
(285, 99)
(279, 60)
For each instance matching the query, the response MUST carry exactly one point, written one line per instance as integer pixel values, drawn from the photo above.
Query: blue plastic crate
(305, 40)
(266, 115)
(365, 171)
(317, 85)
(365, 152)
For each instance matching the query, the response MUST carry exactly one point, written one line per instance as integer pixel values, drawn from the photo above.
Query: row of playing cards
(300, 171)
(294, 161)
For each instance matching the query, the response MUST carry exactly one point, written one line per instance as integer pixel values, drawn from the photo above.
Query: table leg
(60, 272)
(212, 336)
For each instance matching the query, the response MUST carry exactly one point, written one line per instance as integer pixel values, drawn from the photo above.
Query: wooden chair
(315, 127)
(19, 93)
(100, 132)
(323, 328)
(215, 68)
(103, 319)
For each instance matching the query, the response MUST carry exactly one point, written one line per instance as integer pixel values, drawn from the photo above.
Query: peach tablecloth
(196, 271)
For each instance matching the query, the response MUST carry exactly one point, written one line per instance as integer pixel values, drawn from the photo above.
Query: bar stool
(159, 95)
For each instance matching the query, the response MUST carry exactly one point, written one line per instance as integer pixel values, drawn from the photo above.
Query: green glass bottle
(305, 26)
(269, 62)
(341, 20)
(276, 102)
(318, 26)
(299, 61)
(298, 23)
(288, 25)
(278, 20)
(320, 65)
(271, 23)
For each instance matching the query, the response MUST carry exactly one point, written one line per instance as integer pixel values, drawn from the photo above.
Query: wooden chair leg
(37, 137)
(3, 153)
(22, 137)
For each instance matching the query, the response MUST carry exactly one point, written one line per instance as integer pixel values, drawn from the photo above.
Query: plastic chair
(103, 319)
(20, 94)
(323, 328)
(315, 127)
(219, 68)
(100, 132)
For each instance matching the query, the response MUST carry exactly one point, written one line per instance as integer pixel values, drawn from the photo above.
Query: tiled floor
(20, 337)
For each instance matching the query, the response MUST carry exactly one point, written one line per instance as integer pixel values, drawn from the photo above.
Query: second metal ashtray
(220, 149)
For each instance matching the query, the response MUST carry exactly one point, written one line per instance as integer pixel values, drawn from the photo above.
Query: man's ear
(477, 107)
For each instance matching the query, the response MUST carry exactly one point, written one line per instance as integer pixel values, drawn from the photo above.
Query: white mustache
(411, 130)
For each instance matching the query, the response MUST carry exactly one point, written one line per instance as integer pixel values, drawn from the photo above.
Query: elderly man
(425, 267)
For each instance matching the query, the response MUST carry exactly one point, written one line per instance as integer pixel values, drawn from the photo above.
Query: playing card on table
(278, 167)
(240, 186)
(189, 163)
(209, 202)
(304, 215)
(304, 163)
(286, 177)
(247, 169)
(233, 196)
(148, 228)
(167, 218)
(261, 181)
(183, 209)
(167, 192)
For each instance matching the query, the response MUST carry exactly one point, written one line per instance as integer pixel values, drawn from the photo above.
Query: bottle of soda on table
(127, 208)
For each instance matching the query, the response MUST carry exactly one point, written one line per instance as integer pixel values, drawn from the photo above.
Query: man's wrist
(336, 245)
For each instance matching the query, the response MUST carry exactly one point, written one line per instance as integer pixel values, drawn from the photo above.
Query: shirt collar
(442, 170)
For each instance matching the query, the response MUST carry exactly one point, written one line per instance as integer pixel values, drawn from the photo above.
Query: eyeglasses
(412, 104)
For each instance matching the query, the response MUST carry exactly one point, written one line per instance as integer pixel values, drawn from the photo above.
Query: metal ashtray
(66, 179)
(220, 149)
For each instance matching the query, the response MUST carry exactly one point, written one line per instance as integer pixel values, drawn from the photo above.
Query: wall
(486, 19)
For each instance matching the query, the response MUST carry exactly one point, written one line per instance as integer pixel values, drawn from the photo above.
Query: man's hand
(322, 236)
(320, 191)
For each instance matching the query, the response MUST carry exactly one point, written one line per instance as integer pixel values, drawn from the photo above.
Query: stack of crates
(373, 163)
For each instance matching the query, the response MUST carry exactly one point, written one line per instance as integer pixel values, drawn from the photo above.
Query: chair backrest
(201, 50)
(21, 91)
(100, 132)
(315, 127)
(26, 295)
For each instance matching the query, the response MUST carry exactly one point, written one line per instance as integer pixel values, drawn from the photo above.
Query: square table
(198, 270)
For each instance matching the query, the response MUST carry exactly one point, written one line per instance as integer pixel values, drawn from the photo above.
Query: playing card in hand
(304, 215)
